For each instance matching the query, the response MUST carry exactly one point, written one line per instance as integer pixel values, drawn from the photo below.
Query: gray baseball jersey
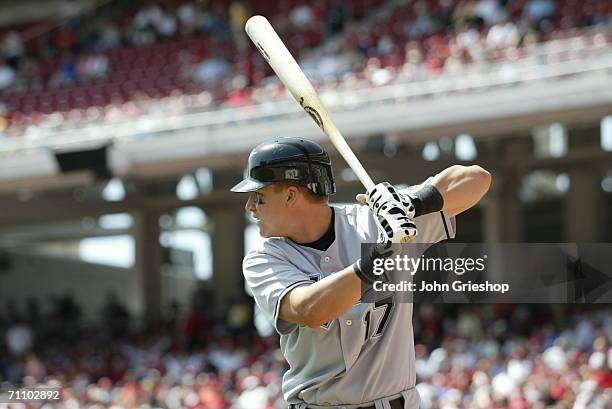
(365, 356)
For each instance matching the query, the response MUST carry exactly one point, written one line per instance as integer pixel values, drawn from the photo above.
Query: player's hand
(393, 212)
(394, 225)
(384, 193)
(364, 267)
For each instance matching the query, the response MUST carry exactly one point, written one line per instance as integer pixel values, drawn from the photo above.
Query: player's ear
(292, 194)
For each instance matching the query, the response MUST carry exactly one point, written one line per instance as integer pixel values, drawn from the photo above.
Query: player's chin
(263, 232)
(267, 231)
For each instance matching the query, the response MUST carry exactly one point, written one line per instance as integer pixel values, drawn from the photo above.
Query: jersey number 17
(386, 304)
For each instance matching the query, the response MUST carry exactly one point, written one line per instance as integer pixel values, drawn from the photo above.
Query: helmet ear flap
(321, 181)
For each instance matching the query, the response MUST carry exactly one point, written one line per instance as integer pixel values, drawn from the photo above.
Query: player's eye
(258, 199)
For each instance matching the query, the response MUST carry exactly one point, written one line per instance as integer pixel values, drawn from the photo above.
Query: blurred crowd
(75, 52)
(199, 359)
(126, 56)
(514, 356)
(487, 356)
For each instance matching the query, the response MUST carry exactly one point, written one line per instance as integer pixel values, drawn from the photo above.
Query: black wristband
(365, 278)
(364, 267)
(427, 200)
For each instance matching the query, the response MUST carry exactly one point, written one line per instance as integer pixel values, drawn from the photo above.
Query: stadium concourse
(490, 357)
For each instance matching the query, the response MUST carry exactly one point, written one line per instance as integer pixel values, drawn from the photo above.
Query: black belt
(397, 403)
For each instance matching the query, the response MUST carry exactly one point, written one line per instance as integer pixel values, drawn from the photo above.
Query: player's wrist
(364, 267)
(364, 272)
(427, 199)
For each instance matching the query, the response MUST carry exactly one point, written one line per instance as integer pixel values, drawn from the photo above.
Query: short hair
(311, 196)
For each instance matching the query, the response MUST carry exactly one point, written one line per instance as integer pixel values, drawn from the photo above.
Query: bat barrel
(265, 38)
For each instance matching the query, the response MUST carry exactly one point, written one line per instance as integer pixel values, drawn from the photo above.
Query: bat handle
(364, 178)
(347, 153)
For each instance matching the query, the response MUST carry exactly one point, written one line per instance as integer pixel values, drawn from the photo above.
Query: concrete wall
(39, 276)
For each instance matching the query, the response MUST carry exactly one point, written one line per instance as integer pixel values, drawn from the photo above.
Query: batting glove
(386, 193)
(394, 225)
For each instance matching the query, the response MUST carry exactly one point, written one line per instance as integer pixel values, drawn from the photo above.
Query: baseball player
(307, 274)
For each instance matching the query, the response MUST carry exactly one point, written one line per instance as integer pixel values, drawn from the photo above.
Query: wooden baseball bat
(287, 69)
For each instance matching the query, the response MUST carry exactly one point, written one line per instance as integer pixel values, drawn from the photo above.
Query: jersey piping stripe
(445, 226)
(283, 294)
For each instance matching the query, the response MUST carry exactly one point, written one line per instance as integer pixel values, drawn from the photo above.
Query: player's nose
(250, 204)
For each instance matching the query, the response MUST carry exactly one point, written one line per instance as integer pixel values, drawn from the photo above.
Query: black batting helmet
(293, 160)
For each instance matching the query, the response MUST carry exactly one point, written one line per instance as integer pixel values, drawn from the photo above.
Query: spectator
(238, 15)
(254, 395)
(68, 310)
(66, 40)
(196, 330)
(218, 25)
(166, 26)
(489, 11)
(240, 316)
(386, 45)
(414, 66)
(469, 325)
(598, 14)
(538, 10)
(3, 127)
(19, 338)
(110, 37)
(469, 41)
(91, 66)
(142, 31)
(465, 14)
(444, 13)
(34, 368)
(337, 17)
(66, 73)
(30, 78)
(227, 358)
(302, 15)
(213, 70)
(423, 25)
(115, 315)
(12, 49)
(187, 17)
(330, 64)
(4, 362)
(7, 76)
(502, 35)
(148, 17)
